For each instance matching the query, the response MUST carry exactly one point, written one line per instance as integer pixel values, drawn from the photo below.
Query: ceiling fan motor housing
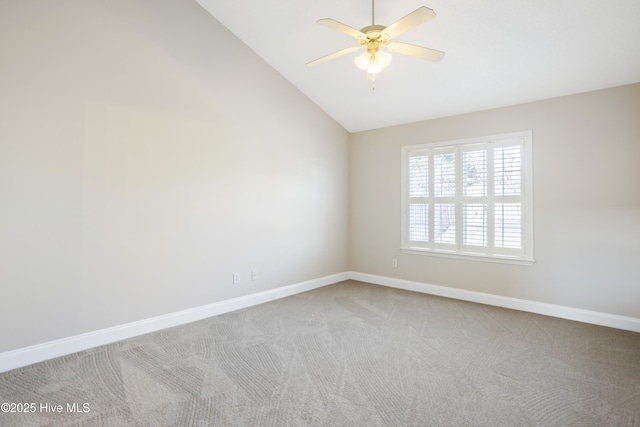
(373, 37)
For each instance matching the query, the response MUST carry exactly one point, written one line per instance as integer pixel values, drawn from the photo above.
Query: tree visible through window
(470, 197)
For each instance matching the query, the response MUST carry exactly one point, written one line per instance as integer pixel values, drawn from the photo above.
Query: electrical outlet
(394, 263)
(254, 275)
(236, 278)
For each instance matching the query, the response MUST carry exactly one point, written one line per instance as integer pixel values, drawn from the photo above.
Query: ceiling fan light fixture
(362, 60)
(374, 66)
(383, 58)
(373, 63)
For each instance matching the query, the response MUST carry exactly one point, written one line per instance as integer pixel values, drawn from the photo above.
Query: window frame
(459, 250)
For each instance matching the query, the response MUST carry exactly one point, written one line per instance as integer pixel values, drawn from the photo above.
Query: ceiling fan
(373, 37)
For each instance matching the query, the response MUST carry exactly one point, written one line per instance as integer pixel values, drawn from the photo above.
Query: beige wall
(146, 154)
(586, 154)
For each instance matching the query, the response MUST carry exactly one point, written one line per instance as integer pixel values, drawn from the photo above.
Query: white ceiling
(498, 53)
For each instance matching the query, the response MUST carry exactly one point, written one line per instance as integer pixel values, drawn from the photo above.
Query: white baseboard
(586, 316)
(49, 350)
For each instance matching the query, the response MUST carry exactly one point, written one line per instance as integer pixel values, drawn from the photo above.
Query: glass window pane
(474, 169)
(444, 223)
(444, 171)
(419, 176)
(419, 222)
(507, 170)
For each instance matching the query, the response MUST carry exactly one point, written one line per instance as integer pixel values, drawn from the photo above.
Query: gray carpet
(350, 354)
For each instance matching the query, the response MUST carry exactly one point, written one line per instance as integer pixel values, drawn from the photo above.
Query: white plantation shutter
(469, 198)
(475, 224)
(419, 222)
(474, 203)
(508, 225)
(418, 190)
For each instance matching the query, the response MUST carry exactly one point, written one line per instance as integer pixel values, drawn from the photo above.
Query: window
(469, 199)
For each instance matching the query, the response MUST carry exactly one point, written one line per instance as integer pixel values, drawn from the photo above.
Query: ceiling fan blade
(339, 26)
(333, 56)
(415, 18)
(417, 51)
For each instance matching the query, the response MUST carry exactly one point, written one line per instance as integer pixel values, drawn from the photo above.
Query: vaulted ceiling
(498, 53)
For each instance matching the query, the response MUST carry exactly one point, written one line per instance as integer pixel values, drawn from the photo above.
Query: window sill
(469, 256)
